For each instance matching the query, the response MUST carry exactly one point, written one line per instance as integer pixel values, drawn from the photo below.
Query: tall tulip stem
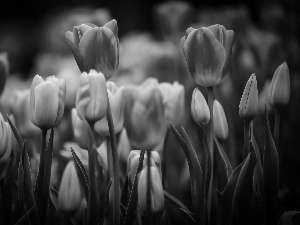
(149, 213)
(210, 136)
(246, 138)
(116, 195)
(276, 127)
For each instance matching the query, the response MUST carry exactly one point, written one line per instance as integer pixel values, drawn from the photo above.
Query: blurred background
(267, 34)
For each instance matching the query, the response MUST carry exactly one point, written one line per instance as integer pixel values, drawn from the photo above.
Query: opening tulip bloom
(5, 140)
(91, 99)
(208, 54)
(95, 47)
(4, 70)
(199, 108)
(47, 101)
(220, 121)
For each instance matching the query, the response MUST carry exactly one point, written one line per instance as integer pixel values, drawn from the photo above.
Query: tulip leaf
(226, 201)
(176, 201)
(132, 203)
(24, 219)
(124, 192)
(271, 175)
(16, 133)
(224, 157)
(21, 197)
(189, 215)
(257, 208)
(82, 174)
(289, 218)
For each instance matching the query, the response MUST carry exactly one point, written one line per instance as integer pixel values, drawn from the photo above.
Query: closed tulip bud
(199, 108)
(95, 47)
(80, 130)
(220, 121)
(279, 90)
(173, 101)
(208, 53)
(156, 191)
(4, 70)
(5, 140)
(115, 95)
(70, 192)
(249, 100)
(47, 101)
(91, 99)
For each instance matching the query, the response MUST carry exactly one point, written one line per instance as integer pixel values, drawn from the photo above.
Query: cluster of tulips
(92, 189)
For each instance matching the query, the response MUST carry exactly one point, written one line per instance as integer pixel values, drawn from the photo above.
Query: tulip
(199, 108)
(20, 107)
(115, 95)
(70, 193)
(124, 146)
(4, 70)
(263, 100)
(208, 54)
(249, 100)
(91, 99)
(81, 153)
(173, 101)
(80, 130)
(47, 101)
(156, 190)
(102, 155)
(220, 121)
(95, 47)
(146, 124)
(5, 140)
(279, 90)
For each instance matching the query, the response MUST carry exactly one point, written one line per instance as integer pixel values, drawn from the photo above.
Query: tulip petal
(113, 26)
(228, 49)
(69, 36)
(36, 81)
(83, 28)
(46, 104)
(219, 32)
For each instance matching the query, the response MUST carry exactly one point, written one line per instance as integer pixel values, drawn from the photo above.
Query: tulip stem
(149, 213)
(116, 195)
(246, 138)
(276, 127)
(41, 174)
(109, 158)
(210, 136)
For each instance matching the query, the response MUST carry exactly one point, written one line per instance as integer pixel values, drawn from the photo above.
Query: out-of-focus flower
(199, 108)
(19, 106)
(47, 101)
(4, 70)
(124, 146)
(249, 100)
(263, 99)
(279, 90)
(173, 101)
(208, 54)
(102, 155)
(91, 99)
(146, 124)
(156, 190)
(70, 192)
(95, 47)
(80, 130)
(115, 95)
(5, 140)
(220, 121)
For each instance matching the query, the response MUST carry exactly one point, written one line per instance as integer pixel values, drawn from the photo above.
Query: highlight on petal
(72, 42)
(113, 26)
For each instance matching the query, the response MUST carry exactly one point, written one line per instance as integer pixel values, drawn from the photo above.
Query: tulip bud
(5, 140)
(249, 100)
(173, 101)
(115, 96)
(199, 108)
(95, 47)
(220, 121)
(102, 155)
(70, 193)
(4, 70)
(156, 191)
(208, 54)
(124, 146)
(47, 101)
(263, 100)
(279, 91)
(80, 130)
(91, 99)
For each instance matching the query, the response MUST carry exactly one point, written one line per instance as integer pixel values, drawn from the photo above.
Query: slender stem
(210, 137)
(109, 159)
(246, 138)
(116, 195)
(276, 127)
(41, 175)
(149, 213)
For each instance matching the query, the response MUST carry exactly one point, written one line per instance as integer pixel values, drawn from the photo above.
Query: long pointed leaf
(16, 133)
(24, 218)
(176, 201)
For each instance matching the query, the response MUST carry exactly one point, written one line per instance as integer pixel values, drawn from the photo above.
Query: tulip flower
(115, 95)
(199, 108)
(220, 121)
(47, 101)
(173, 101)
(95, 47)
(279, 90)
(5, 140)
(91, 99)
(80, 130)
(208, 54)
(124, 147)
(249, 100)
(102, 155)
(156, 190)
(146, 124)
(4, 70)
(70, 192)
